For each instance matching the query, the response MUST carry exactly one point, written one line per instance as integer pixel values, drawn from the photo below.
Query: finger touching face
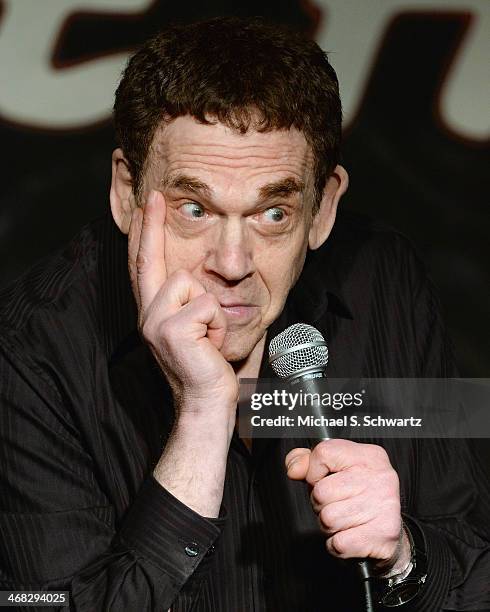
(146, 249)
(238, 217)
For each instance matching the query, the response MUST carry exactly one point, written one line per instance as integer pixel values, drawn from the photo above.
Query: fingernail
(291, 463)
(152, 198)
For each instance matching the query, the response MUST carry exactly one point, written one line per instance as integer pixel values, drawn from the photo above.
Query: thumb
(297, 462)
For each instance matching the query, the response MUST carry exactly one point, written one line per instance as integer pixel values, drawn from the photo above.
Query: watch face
(401, 593)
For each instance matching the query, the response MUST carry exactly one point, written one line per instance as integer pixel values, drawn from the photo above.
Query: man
(124, 480)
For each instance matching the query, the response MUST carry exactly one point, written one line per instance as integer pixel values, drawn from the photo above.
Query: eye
(276, 215)
(192, 210)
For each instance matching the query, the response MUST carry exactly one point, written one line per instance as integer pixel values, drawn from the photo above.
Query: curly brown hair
(244, 73)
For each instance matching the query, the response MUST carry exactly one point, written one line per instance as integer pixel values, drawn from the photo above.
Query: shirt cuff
(433, 594)
(160, 528)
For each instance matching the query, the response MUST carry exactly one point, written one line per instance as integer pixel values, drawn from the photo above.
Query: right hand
(183, 325)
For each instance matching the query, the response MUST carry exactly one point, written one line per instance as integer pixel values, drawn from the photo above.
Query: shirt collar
(317, 291)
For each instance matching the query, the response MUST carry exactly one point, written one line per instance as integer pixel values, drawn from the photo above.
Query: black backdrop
(405, 167)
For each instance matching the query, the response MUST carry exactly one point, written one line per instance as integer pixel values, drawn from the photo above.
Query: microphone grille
(296, 360)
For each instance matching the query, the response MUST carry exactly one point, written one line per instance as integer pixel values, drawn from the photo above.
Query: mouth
(239, 312)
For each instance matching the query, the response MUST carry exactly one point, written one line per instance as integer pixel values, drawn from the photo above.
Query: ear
(323, 220)
(121, 195)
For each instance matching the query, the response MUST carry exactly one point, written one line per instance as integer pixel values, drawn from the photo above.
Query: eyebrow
(283, 188)
(185, 183)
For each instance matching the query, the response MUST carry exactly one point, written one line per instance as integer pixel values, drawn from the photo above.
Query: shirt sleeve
(58, 529)
(452, 500)
(451, 513)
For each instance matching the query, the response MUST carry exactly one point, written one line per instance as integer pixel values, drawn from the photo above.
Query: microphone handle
(363, 566)
(310, 384)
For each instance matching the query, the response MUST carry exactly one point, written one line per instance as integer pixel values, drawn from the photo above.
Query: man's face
(238, 216)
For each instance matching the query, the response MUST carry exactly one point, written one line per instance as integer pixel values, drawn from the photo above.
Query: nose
(230, 256)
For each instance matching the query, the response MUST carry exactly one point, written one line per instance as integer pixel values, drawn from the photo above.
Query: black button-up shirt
(85, 414)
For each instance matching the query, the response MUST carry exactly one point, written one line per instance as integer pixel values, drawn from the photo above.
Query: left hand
(356, 494)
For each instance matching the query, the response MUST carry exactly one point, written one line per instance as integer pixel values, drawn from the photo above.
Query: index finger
(151, 271)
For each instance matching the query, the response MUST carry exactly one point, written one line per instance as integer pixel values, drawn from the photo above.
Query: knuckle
(353, 509)
(318, 491)
(210, 299)
(363, 544)
(205, 299)
(314, 496)
(146, 330)
(321, 450)
(343, 482)
(328, 516)
(390, 482)
(155, 334)
(141, 261)
(332, 443)
(146, 220)
(335, 449)
(378, 452)
(339, 543)
(394, 476)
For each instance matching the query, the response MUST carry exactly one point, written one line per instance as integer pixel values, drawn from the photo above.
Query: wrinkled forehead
(184, 142)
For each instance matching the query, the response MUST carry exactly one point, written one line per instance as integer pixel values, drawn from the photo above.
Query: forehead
(185, 142)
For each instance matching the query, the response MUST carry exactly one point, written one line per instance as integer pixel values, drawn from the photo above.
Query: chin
(234, 354)
(238, 346)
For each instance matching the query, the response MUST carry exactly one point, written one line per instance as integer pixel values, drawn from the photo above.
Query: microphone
(299, 355)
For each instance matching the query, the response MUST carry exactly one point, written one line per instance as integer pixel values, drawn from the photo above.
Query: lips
(231, 301)
(240, 312)
(236, 305)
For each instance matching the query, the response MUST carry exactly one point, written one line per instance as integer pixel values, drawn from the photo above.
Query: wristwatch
(402, 588)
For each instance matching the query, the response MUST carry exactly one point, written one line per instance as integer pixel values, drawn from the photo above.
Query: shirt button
(192, 549)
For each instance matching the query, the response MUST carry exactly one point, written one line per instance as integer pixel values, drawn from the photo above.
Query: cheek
(182, 253)
(280, 267)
